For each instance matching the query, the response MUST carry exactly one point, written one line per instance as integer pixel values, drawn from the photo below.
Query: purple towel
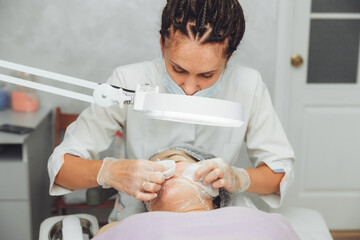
(221, 224)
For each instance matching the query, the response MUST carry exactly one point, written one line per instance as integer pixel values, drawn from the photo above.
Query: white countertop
(30, 119)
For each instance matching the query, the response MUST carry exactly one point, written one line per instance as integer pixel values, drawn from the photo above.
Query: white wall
(89, 38)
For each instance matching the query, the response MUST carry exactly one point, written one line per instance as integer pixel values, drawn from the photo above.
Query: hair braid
(200, 23)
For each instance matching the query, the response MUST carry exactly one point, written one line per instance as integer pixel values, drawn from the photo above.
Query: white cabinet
(24, 182)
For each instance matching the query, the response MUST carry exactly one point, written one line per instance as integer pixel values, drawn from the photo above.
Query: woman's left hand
(221, 175)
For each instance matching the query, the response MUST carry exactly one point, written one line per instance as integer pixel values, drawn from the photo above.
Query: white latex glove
(221, 175)
(189, 173)
(141, 179)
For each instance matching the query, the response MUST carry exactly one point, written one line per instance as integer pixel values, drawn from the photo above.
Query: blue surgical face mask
(176, 89)
(171, 85)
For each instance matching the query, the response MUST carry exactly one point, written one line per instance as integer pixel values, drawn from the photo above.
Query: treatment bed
(307, 223)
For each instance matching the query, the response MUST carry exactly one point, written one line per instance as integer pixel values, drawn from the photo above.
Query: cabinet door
(325, 110)
(14, 220)
(13, 181)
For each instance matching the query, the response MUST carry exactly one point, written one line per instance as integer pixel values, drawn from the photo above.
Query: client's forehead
(173, 155)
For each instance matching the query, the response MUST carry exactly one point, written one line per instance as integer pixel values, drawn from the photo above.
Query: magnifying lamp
(145, 99)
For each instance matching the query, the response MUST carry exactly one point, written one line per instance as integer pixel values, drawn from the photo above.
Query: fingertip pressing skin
(218, 183)
(141, 196)
(212, 176)
(200, 172)
(152, 187)
(203, 170)
(157, 177)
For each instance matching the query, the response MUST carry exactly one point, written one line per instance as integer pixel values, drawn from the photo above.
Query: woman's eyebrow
(177, 65)
(213, 71)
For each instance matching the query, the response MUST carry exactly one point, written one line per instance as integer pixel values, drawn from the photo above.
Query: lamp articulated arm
(104, 94)
(146, 99)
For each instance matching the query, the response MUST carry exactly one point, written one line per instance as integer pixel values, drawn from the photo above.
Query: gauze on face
(189, 174)
(169, 167)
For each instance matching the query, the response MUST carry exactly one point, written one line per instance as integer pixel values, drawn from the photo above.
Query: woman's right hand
(141, 179)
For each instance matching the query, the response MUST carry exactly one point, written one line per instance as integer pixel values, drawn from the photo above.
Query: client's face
(179, 194)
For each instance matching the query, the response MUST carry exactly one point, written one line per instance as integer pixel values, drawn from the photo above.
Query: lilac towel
(225, 223)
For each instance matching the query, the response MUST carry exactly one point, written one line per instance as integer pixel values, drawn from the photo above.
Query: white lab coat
(266, 142)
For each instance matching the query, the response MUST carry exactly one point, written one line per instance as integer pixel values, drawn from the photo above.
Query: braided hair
(224, 19)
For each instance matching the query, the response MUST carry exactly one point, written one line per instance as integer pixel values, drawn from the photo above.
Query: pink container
(24, 102)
